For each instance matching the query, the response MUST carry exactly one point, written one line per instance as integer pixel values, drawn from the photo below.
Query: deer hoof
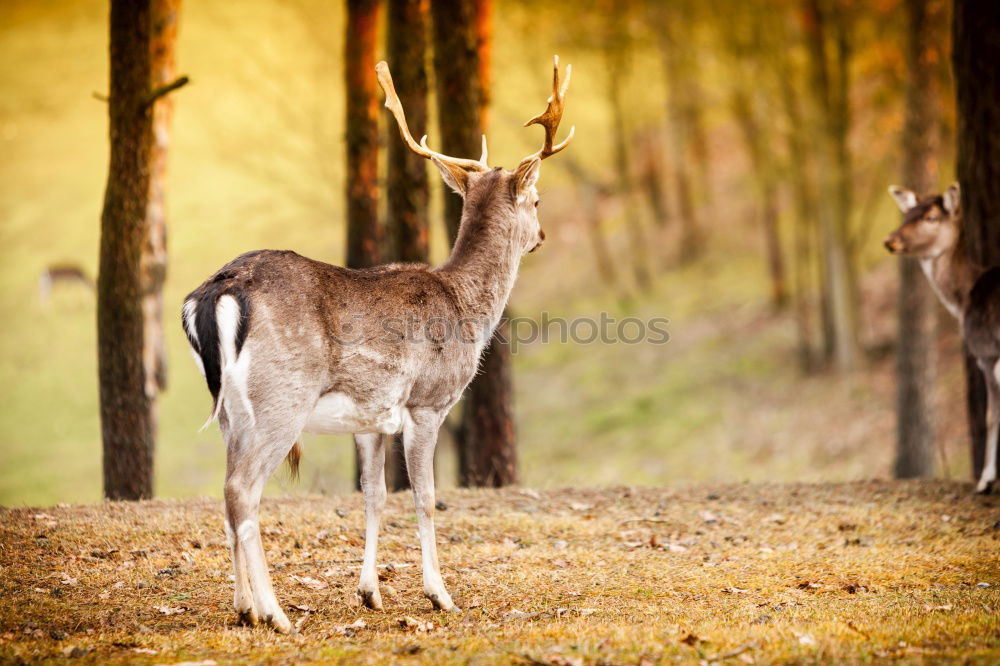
(984, 487)
(443, 602)
(279, 622)
(248, 618)
(371, 599)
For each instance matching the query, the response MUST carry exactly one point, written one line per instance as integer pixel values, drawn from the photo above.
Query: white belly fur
(337, 414)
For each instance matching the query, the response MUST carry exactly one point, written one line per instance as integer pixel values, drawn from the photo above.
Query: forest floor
(749, 573)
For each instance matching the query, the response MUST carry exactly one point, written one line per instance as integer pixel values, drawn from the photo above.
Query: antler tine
(550, 118)
(393, 104)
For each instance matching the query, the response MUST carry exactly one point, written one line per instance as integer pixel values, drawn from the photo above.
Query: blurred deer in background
(61, 274)
(288, 344)
(931, 231)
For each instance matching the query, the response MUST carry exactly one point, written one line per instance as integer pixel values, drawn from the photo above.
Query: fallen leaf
(515, 614)
(311, 583)
(349, 630)
(709, 517)
(580, 506)
(529, 492)
(943, 607)
(170, 610)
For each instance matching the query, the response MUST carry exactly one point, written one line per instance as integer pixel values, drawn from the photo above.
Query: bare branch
(164, 90)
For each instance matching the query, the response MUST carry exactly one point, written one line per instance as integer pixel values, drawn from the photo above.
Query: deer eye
(537, 201)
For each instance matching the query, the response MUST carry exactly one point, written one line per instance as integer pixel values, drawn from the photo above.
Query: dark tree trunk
(487, 452)
(127, 420)
(485, 438)
(406, 224)
(915, 360)
(456, 69)
(976, 52)
(363, 233)
(361, 124)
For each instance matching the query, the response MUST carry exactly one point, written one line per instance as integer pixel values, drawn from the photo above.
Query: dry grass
(761, 573)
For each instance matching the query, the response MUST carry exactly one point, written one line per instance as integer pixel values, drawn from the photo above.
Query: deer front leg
(989, 475)
(371, 458)
(420, 429)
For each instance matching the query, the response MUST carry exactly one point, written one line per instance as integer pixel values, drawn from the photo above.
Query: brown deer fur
(289, 344)
(931, 232)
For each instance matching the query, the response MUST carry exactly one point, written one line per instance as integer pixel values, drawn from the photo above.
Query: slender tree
(363, 231)
(361, 124)
(828, 54)
(976, 50)
(617, 47)
(165, 18)
(687, 143)
(485, 438)
(141, 43)
(915, 356)
(406, 223)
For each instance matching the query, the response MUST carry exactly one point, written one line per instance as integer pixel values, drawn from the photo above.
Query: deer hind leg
(420, 430)
(989, 475)
(371, 456)
(252, 457)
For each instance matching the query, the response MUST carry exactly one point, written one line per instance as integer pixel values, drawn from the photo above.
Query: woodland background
(723, 101)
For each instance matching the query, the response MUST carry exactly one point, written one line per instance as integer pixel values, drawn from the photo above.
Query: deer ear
(527, 174)
(905, 198)
(455, 177)
(952, 199)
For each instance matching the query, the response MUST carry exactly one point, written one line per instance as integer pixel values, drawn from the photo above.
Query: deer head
(466, 176)
(930, 224)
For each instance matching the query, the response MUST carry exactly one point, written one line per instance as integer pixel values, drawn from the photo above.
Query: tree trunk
(361, 125)
(153, 264)
(829, 95)
(915, 357)
(801, 171)
(127, 420)
(363, 232)
(681, 133)
(616, 53)
(976, 51)
(456, 68)
(406, 224)
(487, 452)
(486, 437)
(765, 182)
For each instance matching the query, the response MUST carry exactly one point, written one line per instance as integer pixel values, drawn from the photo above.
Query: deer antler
(549, 119)
(392, 103)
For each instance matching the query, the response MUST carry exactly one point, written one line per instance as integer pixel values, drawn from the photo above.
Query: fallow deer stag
(931, 232)
(290, 345)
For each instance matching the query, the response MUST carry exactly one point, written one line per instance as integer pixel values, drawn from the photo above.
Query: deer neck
(483, 264)
(951, 275)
